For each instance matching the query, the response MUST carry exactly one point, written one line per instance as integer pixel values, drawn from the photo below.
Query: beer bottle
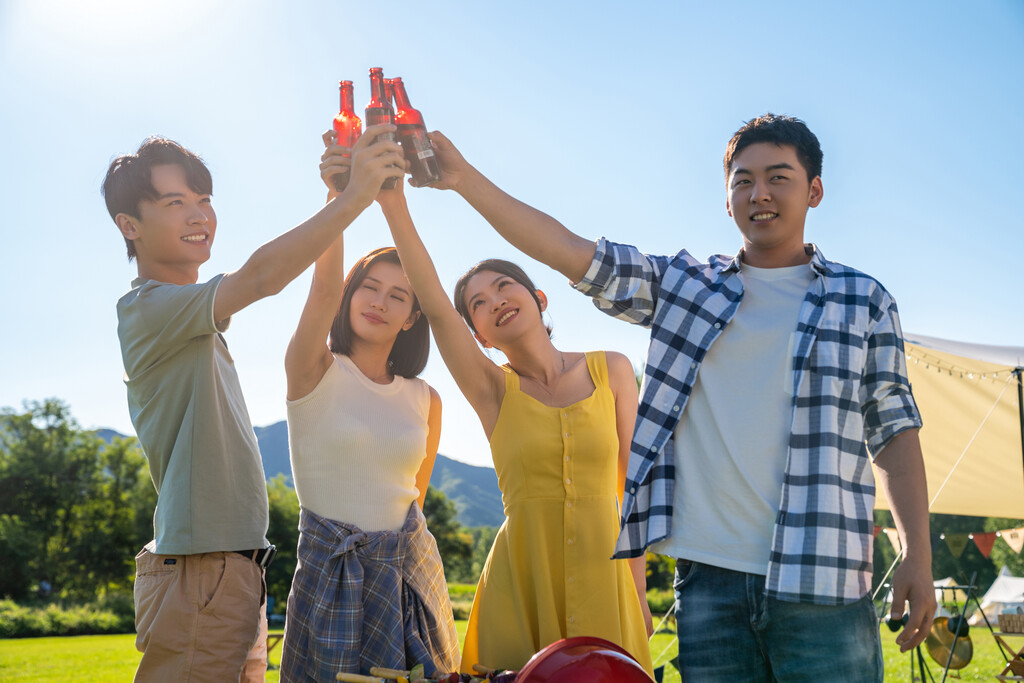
(412, 133)
(347, 129)
(379, 111)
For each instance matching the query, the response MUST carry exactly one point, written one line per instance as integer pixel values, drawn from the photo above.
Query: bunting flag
(984, 541)
(894, 538)
(1014, 538)
(956, 543)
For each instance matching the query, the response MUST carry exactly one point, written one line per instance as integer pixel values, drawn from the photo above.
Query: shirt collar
(818, 263)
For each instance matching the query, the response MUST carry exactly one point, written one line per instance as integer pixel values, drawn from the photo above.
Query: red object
(985, 541)
(379, 111)
(583, 659)
(412, 133)
(347, 129)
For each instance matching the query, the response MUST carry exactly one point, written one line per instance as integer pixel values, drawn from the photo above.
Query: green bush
(120, 603)
(461, 596)
(660, 601)
(20, 621)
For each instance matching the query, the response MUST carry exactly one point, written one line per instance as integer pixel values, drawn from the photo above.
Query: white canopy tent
(1005, 594)
(970, 397)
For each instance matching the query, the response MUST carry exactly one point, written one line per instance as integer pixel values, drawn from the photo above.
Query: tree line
(74, 511)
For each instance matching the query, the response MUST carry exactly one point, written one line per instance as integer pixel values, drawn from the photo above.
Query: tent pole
(1020, 406)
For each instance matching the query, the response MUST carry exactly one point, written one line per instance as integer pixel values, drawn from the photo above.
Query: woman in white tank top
(363, 430)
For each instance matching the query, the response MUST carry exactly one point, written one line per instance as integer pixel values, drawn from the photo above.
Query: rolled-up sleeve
(886, 399)
(623, 282)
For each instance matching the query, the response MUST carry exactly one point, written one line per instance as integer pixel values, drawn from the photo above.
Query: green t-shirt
(187, 407)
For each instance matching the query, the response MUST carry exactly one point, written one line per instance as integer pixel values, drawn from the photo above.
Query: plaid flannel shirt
(852, 396)
(364, 599)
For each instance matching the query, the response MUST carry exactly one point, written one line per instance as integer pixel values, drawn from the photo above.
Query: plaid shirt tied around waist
(362, 599)
(852, 396)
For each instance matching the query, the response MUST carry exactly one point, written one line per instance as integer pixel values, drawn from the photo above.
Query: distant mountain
(474, 490)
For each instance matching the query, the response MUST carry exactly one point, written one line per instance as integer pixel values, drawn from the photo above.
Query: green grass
(103, 659)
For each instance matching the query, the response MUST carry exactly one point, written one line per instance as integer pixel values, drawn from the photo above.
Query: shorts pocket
(153, 595)
(227, 579)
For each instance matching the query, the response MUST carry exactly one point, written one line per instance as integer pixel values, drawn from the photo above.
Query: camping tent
(970, 397)
(1005, 594)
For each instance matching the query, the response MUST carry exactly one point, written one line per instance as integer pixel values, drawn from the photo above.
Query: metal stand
(922, 665)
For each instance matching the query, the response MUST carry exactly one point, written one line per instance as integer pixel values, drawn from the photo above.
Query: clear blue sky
(612, 117)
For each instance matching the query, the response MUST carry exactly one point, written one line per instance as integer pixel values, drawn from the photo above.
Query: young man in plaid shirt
(772, 380)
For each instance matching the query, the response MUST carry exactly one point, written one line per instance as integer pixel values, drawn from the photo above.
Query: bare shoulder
(435, 398)
(619, 364)
(621, 375)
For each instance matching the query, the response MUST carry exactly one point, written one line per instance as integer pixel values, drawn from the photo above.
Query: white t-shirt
(732, 440)
(356, 446)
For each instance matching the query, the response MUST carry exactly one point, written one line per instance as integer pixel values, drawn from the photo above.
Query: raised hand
(335, 164)
(453, 165)
(372, 162)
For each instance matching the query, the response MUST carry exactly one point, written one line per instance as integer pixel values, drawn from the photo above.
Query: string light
(940, 365)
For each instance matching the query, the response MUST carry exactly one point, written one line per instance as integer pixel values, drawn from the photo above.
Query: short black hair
(494, 265)
(129, 177)
(780, 130)
(409, 355)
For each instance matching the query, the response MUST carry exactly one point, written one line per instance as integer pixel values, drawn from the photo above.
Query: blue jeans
(729, 630)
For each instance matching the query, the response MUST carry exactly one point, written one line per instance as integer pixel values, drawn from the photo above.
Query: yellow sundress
(548, 575)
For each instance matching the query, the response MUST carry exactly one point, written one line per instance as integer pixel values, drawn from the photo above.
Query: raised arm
(308, 356)
(281, 260)
(481, 381)
(532, 232)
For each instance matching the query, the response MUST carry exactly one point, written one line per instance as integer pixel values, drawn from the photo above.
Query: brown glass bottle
(347, 129)
(378, 111)
(412, 133)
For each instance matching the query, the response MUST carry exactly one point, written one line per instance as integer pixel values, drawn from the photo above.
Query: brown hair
(495, 265)
(409, 355)
(779, 130)
(129, 177)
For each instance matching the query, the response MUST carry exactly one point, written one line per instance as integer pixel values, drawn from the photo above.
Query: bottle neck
(401, 98)
(347, 104)
(377, 98)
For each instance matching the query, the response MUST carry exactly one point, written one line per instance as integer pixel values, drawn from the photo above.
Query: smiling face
(768, 197)
(501, 308)
(382, 304)
(174, 232)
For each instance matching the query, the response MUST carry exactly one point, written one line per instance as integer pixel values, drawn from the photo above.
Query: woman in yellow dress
(559, 425)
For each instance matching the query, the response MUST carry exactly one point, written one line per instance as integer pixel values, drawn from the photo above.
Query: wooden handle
(388, 673)
(358, 678)
(480, 668)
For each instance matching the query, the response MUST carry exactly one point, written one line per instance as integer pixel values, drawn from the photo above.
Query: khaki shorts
(200, 617)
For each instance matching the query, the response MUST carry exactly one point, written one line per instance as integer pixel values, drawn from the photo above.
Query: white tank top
(356, 446)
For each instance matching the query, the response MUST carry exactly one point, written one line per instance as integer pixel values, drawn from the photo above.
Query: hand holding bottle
(374, 159)
(454, 167)
(335, 164)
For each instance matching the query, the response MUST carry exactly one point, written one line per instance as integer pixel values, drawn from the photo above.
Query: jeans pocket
(685, 569)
